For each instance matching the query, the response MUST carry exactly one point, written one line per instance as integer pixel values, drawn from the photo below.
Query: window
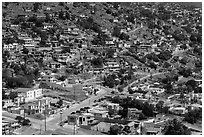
(83, 119)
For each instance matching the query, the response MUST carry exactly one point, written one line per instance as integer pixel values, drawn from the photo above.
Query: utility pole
(74, 93)
(40, 129)
(23, 112)
(61, 116)
(45, 118)
(74, 127)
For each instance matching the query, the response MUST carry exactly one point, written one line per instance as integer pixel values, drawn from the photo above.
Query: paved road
(53, 121)
(88, 102)
(141, 79)
(134, 30)
(35, 123)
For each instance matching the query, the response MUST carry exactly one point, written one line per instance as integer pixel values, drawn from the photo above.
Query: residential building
(29, 93)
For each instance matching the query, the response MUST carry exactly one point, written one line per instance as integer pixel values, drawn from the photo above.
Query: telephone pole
(45, 118)
(40, 129)
(61, 116)
(74, 94)
(74, 128)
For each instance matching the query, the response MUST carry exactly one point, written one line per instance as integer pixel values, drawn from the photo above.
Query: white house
(29, 93)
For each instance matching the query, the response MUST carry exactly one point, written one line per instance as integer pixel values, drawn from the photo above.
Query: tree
(152, 65)
(175, 127)
(65, 50)
(199, 38)
(198, 63)
(61, 4)
(62, 78)
(19, 118)
(167, 65)
(124, 36)
(114, 130)
(60, 102)
(123, 112)
(193, 116)
(97, 62)
(39, 23)
(147, 110)
(193, 38)
(120, 89)
(183, 61)
(36, 6)
(3, 103)
(110, 53)
(142, 116)
(61, 15)
(165, 110)
(4, 96)
(127, 129)
(13, 95)
(26, 122)
(32, 19)
(191, 83)
(116, 99)
(183, 46)
(165, 55)
(6, 73)
(159, 105)
(110, 81)
(116, 31)
(25, 50)
(130, 90)
(111, 112)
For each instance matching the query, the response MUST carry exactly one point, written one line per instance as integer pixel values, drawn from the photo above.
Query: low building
(178, 110)
(9, 125)
(98, 112)
(29, 93)
(153, 131)
(37, 106)
(133, 113)
(7, 103)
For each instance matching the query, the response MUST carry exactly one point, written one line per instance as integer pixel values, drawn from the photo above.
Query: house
(155, 90)
(112, 106)
(98, 112)
(178, 110)
(29, 93)
(7, 103)
(81, 119)
(8, 47)
(36, 106)
(17, 110)
(97, 70)
(47, 25)
(73, 119)
(110, 43)
(53, 64)
(48, 78)
(112, 66)
(87, 119)
(153, 131)
(9, 125)
(28, 42)
(133, 113)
